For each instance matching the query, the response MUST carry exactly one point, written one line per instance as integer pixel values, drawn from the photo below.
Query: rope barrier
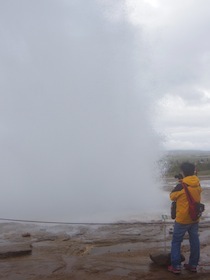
(80, 223)
(52, 222)
(157, 222)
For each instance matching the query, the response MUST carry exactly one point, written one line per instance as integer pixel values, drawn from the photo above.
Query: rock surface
(103, 252)
(14, 250)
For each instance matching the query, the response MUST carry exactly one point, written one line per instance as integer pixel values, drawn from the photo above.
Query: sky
(176, 33)
(92, 93)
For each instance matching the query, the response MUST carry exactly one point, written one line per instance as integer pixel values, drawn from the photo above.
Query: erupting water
(77, 142)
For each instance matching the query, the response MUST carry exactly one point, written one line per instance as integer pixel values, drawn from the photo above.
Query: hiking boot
(190, 267)
(175, 270)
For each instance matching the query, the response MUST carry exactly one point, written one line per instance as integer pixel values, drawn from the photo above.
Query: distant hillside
(188, 152)
(173, 159)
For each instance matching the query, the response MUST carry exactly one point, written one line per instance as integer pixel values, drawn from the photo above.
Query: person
(183, 222)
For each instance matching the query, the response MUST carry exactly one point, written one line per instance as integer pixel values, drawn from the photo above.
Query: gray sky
(177, 33)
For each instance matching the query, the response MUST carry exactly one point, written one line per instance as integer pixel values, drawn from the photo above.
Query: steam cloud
(76, 134)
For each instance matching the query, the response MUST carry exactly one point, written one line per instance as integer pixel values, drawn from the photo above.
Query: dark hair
(187, 168)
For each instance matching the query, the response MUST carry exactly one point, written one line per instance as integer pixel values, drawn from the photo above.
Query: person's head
(187, 168)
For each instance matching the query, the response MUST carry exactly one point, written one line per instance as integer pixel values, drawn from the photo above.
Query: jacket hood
(192, 181)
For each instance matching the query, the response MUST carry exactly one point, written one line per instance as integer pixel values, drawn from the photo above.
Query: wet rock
(163, 258)
(27, 234)
(14, 250)
(46, 238)
(171, 230)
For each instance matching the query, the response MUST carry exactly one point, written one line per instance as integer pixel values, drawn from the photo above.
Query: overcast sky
(91, 92)
(177, 33)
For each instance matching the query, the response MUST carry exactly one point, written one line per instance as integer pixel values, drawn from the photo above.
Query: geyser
(77, 143)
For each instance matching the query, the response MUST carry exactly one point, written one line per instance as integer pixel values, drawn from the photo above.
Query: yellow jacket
(182, 205)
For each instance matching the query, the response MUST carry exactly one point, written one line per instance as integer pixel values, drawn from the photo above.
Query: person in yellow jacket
(183, 222)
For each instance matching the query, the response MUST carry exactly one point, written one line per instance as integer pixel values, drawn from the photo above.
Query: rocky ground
(90, 252)
(120, 251)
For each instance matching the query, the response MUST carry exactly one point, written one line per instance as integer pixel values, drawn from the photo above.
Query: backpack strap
(189, 196)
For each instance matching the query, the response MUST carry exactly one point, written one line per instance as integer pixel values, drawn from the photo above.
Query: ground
(96, 252)
(81, 252)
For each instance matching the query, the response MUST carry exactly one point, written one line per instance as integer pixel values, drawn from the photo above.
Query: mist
(76, 114)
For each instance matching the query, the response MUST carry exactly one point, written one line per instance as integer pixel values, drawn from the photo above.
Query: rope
(52, 222)
(79, 223)
(159, 222)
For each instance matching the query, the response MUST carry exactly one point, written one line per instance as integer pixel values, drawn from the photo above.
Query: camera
(178, 176)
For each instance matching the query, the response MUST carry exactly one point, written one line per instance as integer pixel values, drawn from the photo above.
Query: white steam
(76, 134)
